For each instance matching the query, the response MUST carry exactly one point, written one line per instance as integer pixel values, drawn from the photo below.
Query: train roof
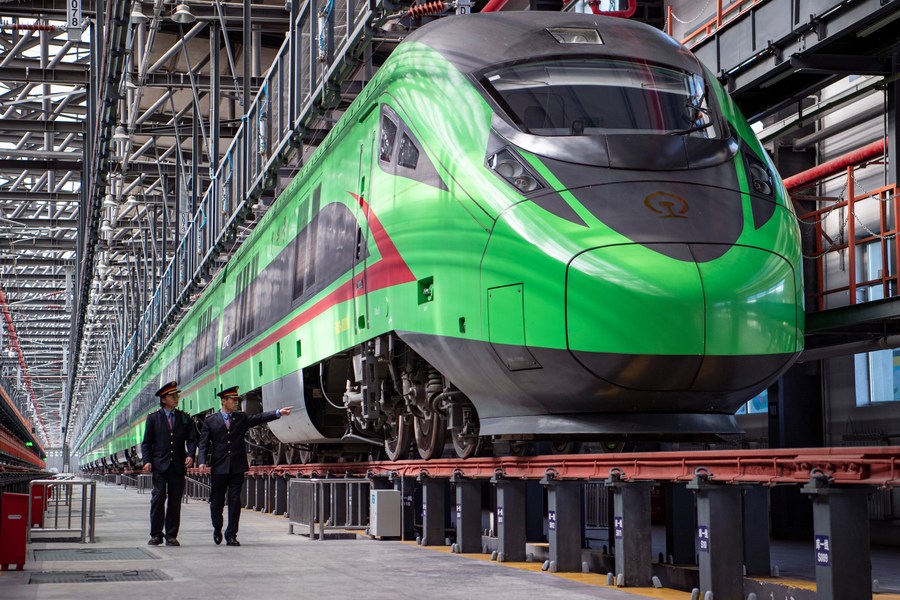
(474, 42)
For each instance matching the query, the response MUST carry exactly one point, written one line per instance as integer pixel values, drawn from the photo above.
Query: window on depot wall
(877, 377)
(757, 404)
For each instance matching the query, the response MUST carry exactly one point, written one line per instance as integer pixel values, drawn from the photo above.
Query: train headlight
(510, 168)
(760, 179)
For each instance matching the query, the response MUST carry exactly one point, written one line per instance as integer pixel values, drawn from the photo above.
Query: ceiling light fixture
(137, 15)
(183, 14)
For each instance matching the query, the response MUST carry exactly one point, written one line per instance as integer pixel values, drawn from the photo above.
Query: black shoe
(172, 542)
(155, 541)
(232, 541)
(217, 537)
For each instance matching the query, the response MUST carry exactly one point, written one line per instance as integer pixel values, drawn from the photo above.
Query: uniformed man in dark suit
(222, 448)
(170, 439)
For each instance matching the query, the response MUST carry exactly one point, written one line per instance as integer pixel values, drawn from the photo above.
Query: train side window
(408, 155)
(388, 135)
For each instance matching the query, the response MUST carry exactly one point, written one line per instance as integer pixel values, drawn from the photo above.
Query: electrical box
(384, 513)
(13, 530)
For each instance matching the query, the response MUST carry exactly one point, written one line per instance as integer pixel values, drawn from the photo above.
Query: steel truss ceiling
(105, 147)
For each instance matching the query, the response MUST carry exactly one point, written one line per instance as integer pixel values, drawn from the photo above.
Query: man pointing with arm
(222, 448)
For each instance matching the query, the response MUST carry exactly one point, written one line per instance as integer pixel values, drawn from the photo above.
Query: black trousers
(231, 484)
(165, 502)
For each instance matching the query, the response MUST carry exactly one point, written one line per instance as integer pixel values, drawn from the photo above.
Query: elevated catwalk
(273, 564)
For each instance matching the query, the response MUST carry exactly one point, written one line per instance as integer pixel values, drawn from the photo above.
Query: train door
(365, 194)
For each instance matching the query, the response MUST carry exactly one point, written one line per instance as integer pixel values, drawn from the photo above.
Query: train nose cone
(642, 322)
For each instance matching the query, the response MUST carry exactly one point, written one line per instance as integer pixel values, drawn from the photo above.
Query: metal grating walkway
(96, 576)
(94, 554)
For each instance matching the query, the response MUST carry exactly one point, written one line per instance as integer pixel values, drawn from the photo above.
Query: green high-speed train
(528, 226)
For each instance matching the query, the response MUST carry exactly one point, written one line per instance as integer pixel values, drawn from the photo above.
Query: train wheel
(466, 441)
(519, 448)
(613, 446)
(292, 454)
(308, 455)
(466, 446)
(278, 454)
(565, 447)
(430, 431)
(396, 443)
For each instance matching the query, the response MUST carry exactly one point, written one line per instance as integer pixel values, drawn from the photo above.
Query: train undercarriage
(382, 400)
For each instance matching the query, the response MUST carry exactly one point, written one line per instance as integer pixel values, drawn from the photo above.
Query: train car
(527, 226)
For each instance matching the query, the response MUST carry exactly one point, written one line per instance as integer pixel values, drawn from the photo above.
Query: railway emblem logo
(668, 206)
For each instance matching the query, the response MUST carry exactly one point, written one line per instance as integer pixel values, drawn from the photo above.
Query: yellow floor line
(587, 578)
(599, 580)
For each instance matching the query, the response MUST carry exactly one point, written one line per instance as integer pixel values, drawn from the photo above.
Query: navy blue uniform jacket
(223, 450)
(163, 447)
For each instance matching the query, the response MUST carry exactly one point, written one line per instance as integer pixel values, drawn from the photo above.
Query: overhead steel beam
(41, 126)
(29, 222)
(39, 196)
(40, 244)
(29, 261)
(30, 71)
(21, 164)
(831, 64)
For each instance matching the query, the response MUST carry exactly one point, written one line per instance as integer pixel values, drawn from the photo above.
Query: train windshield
(598, 96)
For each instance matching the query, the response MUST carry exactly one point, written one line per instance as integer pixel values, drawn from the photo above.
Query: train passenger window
(388, 135)
(408, 155)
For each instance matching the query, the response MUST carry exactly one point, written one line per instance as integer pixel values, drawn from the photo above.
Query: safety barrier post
(631, 530)
(841, 529)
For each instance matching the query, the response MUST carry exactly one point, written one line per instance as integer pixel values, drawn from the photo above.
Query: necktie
(227, 421)
(171, 420)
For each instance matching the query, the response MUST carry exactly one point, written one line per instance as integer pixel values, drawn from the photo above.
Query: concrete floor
(272, 564)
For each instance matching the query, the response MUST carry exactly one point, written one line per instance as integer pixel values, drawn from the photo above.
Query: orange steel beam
(878, 466)
(12, 447)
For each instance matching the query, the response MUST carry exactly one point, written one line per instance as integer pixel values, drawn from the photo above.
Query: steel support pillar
(281, 493)
(248, 493)
(565, 529)
(406, 486)
(433, 509)
(260, 493)
(270, 493)
(631, 530)
(468, 514)
(510, 519)
(681, 524)
(841, 529)
(756, 531)
(720, 538)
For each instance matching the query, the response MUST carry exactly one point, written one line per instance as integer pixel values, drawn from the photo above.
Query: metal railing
(60, 500)
(321, 50)
(328, 504)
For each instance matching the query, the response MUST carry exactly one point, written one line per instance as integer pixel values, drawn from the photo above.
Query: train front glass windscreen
(593, 97)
